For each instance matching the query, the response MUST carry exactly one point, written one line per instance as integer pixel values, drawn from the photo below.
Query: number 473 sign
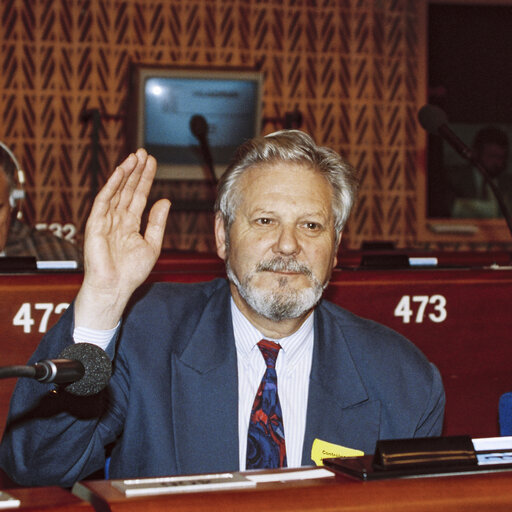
(24, 317)
(421, 308)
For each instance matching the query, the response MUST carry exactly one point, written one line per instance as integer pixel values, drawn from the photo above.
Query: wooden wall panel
(350, 66)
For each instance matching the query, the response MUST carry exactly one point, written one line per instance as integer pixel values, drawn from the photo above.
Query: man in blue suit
(186, 360)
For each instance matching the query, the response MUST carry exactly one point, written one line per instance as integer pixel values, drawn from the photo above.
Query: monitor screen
(229, 102)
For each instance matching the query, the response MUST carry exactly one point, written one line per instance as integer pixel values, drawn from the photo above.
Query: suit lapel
(339, 409)
(205, 393)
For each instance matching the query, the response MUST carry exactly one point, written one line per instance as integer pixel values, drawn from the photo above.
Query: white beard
(284, 302)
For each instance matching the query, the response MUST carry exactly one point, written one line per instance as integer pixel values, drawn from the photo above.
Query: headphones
(17, 193)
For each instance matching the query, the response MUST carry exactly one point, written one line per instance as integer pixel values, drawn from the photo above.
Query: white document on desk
(181, 484)
(493, 450)
(285, 476)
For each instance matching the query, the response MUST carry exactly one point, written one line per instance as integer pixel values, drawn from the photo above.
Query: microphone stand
(199, 129)
(208, 160)
(7, 372)
(68, 371)
(497, 194)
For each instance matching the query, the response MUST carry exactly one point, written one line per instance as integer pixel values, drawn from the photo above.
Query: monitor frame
(138, 113)
(435, 229)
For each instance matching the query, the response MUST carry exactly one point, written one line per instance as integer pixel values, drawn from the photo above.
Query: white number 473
(432, 307)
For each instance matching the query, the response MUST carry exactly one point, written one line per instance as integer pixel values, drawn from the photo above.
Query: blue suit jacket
(172, 404)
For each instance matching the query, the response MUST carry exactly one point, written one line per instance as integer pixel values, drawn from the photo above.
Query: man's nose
(287, 241)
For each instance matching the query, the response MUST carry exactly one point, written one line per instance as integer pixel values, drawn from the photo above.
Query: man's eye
(264, 221)
(313, 226)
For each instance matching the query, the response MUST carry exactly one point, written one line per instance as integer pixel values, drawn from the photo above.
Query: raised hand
(117, 257)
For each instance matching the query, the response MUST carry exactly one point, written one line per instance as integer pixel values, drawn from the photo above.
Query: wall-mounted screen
(165, 100)
(470, 79)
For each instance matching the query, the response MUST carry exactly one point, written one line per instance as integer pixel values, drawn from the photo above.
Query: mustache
(283, 265)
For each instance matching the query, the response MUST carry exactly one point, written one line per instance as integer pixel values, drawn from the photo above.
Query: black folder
(402, 458)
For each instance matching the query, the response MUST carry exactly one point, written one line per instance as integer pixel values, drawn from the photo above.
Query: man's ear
(336, 249)
(220, 236)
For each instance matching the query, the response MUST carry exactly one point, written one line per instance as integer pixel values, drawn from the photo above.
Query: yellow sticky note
(324, 450)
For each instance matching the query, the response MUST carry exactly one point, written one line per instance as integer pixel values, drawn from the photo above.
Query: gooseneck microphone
(199, 128)
(434, 120)
(82, 369)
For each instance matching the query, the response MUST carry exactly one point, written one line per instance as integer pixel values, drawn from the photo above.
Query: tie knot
(269, 350)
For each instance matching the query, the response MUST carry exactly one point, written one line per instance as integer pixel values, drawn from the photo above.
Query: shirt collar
(246, 336)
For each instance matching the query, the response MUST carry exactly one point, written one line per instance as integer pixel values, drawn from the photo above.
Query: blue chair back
(107, 468)
(505, 414)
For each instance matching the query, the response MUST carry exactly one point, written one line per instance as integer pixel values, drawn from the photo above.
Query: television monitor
(474, 94)
(164, 100)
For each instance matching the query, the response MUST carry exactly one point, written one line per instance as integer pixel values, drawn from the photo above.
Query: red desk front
(48, 499)
(459, 317)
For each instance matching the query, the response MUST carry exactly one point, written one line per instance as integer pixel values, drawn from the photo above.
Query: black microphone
(199, 128)
(82, 368)
(434, 120)
(59, 371)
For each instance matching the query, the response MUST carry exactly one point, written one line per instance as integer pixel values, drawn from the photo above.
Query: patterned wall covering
(350, 67)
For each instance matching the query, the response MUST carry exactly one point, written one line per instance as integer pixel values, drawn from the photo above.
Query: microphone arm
(434, 120)
(497, 194)
(7, 372)
(59, 371)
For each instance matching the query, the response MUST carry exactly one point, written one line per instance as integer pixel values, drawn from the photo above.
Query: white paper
(493, 450)
(283, 476)
(8, 501)
(57, 265)
(179, 484)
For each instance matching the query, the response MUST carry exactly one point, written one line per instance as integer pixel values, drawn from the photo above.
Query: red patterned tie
(266, 447)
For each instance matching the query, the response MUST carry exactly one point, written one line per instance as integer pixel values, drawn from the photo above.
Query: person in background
(17, 239)
(232, 374)
(472, 196)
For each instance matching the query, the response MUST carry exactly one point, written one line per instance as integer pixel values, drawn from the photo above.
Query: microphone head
(198, 126)
(97, 365)
(432, 118)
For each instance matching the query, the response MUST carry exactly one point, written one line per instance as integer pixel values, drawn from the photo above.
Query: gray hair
(296, 147)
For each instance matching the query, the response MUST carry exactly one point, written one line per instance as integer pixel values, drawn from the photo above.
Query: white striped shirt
(293, 367)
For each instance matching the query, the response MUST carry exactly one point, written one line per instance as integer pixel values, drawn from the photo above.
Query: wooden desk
(458, 316)
(480, 493)
(48, 499)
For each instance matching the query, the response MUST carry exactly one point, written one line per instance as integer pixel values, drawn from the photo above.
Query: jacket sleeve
(431, 422)
(53, 437)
